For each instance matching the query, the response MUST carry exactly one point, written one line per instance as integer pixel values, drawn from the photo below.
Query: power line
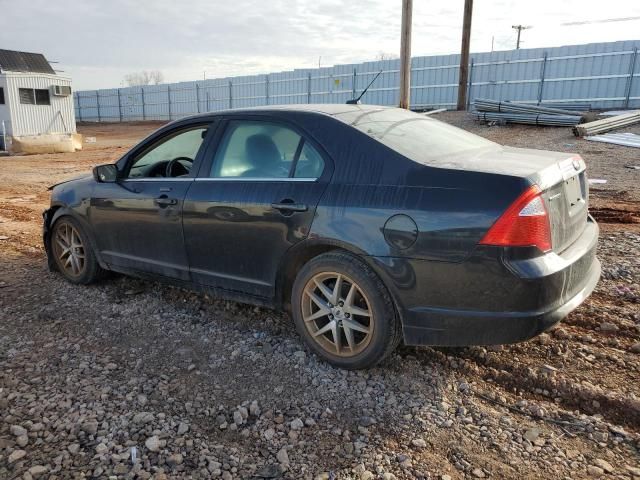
(606, 20)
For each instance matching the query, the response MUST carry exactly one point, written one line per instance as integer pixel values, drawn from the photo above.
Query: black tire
(90, 270)
(387, 332)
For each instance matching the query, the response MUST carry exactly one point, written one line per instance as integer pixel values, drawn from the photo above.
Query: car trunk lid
(561, 177)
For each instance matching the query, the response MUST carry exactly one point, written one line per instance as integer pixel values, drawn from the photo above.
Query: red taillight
(524, 224)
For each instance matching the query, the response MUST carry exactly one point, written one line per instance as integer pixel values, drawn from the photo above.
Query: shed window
(1, 96)
(31, 96)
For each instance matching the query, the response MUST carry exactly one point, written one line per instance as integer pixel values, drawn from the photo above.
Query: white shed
(36, 105)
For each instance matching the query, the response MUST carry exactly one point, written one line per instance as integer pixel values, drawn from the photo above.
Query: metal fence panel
(606, 75)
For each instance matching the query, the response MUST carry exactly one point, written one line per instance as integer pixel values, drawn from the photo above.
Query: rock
(254, 409)
(608, 327)
(37, 471)
(18, 431)
(388, 476)
(419, 443)
(634, 471)
(22, 440)
(143, 418)
(595, 471)
(101, 448)
(478, 473)
(445, 477)
(268, 433)
(367, 421)
(270, 471)
(90, 427)
(73, 448)
(532, 434)
(603, 464)
(183, 428)
(120, 469)
(237, 418)
(635, 348)
(296, 424)
(283, 457)
(154, 443)
(15, 456)
(175, 459)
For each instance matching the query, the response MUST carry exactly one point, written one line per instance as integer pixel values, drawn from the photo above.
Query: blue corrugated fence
(602, 74)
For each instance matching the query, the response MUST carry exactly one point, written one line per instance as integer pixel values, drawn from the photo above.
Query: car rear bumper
(493, 297)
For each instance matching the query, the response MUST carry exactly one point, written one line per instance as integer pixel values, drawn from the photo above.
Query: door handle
(164, 201)
(285, 206)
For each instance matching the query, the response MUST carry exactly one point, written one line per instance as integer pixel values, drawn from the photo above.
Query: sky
(97, 43)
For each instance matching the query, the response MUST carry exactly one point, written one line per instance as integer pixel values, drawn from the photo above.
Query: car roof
(330, 109)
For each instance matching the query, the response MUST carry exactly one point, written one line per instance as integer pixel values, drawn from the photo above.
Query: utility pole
(405, 54)
(464, 55)
(519, 28)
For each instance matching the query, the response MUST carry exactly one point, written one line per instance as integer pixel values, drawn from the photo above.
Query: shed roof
(12, 61)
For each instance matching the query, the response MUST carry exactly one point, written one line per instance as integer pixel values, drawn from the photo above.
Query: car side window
(310, 163)
(172, 156)
(255, 149)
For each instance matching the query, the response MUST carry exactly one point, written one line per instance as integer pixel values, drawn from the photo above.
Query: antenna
(356, 101)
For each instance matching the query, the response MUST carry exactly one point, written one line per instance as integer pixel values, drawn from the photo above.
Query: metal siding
(59, 117)
(595, 73)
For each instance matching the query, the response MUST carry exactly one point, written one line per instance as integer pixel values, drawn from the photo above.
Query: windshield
(413, 135)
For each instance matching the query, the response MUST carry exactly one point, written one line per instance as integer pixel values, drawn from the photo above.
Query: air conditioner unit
(61, 90)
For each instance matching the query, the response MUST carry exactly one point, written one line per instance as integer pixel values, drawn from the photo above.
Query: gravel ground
(132, 379)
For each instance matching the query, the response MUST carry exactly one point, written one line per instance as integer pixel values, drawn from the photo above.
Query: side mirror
(105, 173)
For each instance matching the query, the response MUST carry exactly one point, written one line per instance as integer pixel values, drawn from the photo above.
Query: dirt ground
(131, 379)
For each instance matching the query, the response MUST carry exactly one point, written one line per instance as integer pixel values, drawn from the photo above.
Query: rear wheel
(72, 252)
(344, 312)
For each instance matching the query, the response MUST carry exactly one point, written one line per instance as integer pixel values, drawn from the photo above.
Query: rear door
(138, 220)
(251, 202)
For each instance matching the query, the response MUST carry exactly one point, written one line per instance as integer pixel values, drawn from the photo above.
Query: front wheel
(72, 252)
(344, 312)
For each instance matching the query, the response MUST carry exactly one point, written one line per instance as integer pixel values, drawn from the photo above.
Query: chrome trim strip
(242, 179)
(159, 179)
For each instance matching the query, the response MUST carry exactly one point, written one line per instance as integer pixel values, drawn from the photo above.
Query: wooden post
(464, 55)
(405, 54)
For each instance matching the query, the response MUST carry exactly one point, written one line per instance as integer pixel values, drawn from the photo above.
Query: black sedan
(369, 224)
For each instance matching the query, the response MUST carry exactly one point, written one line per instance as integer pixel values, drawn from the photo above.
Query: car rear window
(414, 135)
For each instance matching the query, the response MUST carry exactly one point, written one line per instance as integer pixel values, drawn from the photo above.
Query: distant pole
(519, 28)
(405, 54)
(464, 55)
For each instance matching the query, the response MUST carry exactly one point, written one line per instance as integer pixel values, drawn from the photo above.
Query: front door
(255, 200)
(138, 220)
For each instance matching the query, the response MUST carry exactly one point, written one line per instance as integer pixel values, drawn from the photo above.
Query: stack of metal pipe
(499, 111)
(606, 124)
(529, 118)
(578, 107)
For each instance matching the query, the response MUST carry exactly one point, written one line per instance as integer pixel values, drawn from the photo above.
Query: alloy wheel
(68, 249)
(337, 314)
